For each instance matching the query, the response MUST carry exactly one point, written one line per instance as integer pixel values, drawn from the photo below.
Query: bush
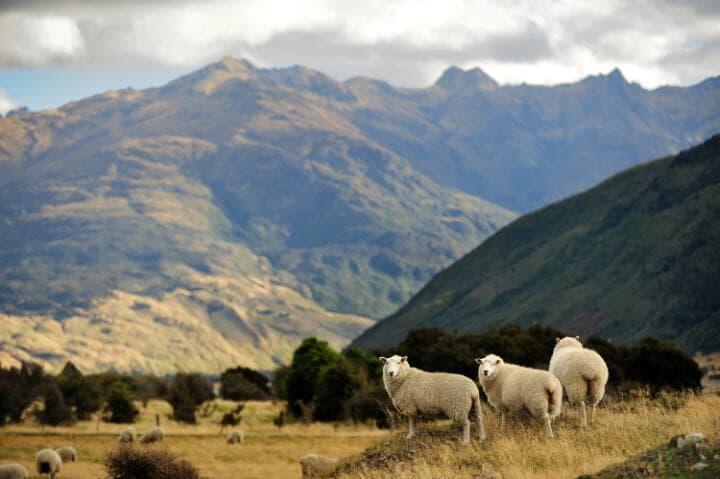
(336, 385)
(662, 365)
(119, 404)
(187, 392)
(243, 384)
(371, 404)
(54, 411)
(80, 393)
(20, 387)
(308, 360)
(128, 462)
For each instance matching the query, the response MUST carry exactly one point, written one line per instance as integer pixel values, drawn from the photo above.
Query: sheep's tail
(44, 467)
(554, 399)
(595, 389)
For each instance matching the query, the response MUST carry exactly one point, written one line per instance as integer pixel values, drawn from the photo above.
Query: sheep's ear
(383, 359)
(478, 360)
(403, 359)
(577, 337)
(557, 340)
(498, 361)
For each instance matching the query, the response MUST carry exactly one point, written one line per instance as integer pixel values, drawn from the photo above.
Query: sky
(56, 51)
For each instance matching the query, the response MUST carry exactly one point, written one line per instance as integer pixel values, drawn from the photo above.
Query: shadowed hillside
(635, 256)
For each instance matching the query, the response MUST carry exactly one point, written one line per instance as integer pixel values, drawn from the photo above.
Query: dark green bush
(119, 407)
(187, 392)
(243, 384)
(308, 361)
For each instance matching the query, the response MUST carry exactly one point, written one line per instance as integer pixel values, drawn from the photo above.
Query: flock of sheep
(47, 461)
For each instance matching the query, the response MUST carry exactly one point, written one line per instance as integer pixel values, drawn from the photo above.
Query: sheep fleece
(516, 387)
(13, 471)
(582, 372)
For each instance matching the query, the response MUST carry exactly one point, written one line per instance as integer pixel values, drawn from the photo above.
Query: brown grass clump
(128, 462)
(622, 428)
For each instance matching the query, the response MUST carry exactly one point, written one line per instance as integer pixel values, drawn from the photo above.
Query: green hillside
(637, 255)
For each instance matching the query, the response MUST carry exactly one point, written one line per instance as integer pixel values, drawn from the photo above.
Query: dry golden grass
(267, 452)
(621, 430)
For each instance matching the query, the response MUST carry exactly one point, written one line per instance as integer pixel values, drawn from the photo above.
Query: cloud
(6, 103)
(405, 42)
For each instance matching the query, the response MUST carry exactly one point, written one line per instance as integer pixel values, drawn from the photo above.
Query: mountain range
(636, 256)
(220, 218)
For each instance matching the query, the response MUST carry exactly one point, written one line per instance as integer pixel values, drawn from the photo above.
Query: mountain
(637, 255)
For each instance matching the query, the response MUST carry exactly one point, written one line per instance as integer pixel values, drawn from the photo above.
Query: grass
(622, 429)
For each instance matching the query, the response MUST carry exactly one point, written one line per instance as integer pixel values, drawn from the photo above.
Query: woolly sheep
(155, 434)
(510, 388)
(235, 437)
(13, 471)
(414, 391)
(315, 465)
(48, 462)
(127, 435)
(582, 372)
(67, 453)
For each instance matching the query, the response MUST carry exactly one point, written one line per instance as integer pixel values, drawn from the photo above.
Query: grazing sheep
(48, 462)
(414, 391)
(155, 434)
(13, 471)
(510, 388)
(582, 372)
(315, 465)
(235, 437)
(67, 454)
(127, 435)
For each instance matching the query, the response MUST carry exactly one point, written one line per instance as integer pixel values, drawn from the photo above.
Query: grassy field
(267, 452)
(623, 429)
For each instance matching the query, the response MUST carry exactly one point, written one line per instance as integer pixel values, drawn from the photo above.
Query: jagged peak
(455, 78)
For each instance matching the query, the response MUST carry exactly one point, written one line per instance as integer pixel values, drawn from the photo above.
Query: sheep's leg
(412, 431)
(480, 426)
(583, 415)
(466, 432)
(592, 413)
(502, 421)
(548, 425)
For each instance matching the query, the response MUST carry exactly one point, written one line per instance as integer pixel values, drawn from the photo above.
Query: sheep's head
(568, 342)
(488, 366)
(395, 366)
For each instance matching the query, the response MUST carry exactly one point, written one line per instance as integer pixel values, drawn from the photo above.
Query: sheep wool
(48, 462)
(235, 437)
(13, 471)
(414, 391)
(127, 435)
(67, 453)
(582, 372)
(155, 434)
(316, 466)
(510, 388)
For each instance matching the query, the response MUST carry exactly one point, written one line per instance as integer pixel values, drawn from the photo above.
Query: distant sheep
(13, 471)
(235, 437)
(316, 466)
(67, 453)
(510, 388)
(414, 391)
(582, 372)
(48, 462)
(127, 435)
(155, 434)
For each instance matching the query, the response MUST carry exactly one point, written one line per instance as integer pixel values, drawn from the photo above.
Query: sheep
(235, 437)
(414, 391)
(315, 465)
(127, 435)
(582, 372)
(48, 462)
(67, 453)
(510, 388)
(13, 471)
(155, 434)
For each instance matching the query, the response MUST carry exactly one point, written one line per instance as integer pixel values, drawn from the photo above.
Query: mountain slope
(637, 255)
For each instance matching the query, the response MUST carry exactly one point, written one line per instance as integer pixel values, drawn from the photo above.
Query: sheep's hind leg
(412, 431)
(592, 413)
(466, 432)
(548, 425)
(502, 421)
(583, 415)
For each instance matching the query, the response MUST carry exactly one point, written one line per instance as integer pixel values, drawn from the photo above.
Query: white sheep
(155, 434)
(582, 372)
(235, 437)
(511, 388)
(67, 453)
(48, 462)
(13, 471)
(127, 435)
(414, 391)
(315, 466)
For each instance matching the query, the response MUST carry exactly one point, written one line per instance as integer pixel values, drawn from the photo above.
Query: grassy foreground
(622, 429)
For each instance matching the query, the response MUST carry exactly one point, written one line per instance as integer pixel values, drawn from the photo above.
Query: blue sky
(55, 51)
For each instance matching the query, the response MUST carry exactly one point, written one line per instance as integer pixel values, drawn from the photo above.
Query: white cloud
(6, 103)
(406, 42)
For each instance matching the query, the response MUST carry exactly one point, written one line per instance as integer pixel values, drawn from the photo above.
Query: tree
(336, 384)
(54, 411)
(119, 404)
(187, 392)
(80, 392)
(308, 360)
(662, 365)
(18, 389)
(242, 384)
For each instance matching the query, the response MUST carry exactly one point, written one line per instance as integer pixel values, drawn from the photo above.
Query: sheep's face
(488, 366)
(568, 342)
(395, 366)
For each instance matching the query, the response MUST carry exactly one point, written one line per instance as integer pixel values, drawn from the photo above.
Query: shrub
(308, 360)
(662, 365)
(128, 462)
(242, 384)
(336, 384)
(54, 411)
(20, 387)
(80, 392)
(187, 392)
(371, 404)
(119, 404)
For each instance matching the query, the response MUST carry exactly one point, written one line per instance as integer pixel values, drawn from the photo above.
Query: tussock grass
(622, 429)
